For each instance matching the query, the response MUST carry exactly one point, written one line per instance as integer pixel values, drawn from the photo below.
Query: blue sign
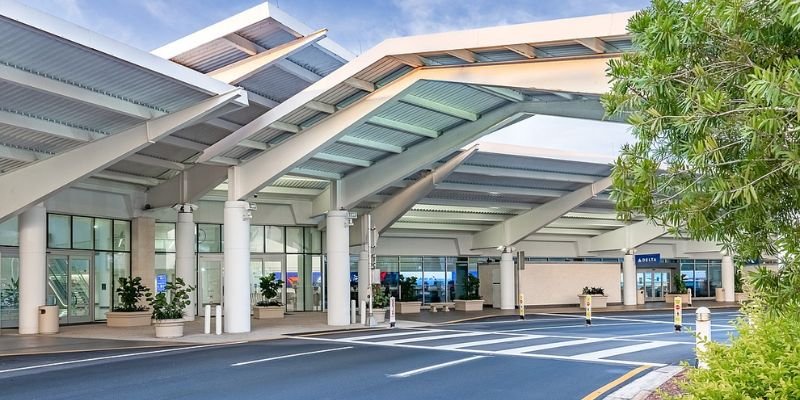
(648, 259)
(161, 283)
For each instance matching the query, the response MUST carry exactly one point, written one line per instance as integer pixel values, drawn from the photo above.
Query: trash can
(48, 319)
(640, 296)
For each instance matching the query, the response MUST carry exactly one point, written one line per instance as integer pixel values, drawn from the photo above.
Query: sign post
(678, 314)
(521, 306)
(588, 311)
(391, 312)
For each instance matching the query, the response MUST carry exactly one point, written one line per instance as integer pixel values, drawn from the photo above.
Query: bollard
(391, 312)
(207, 319)
(363, 312)
(703, 328)
(678, 314)
(521, 306)
(353, 311)
(588, 311)
(219, 320)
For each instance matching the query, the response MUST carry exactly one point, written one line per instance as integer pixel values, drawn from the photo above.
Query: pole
(391, 312)
(521, 306)
(588, 310)
(353, 312)
(207, 320)
(678, 314)
(703, 327)
(371, 254)
(219, 319)
(363, 312)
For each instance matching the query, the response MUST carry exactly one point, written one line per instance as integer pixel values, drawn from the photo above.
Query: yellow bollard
(521, 306)
(678, 314)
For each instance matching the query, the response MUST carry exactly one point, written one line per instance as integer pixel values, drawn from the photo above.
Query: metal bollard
(353, 311)
(391, 312)
(703, 328)
(207, 319)
(363, 312)
(678, 316)
(219, 320)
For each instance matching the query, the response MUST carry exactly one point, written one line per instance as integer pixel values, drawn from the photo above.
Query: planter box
(719, 294)
(686, 299)
(168, 328)
(740, 297)
(598, 300)
(469, 305)
(126, 319)
(269, 312)
(408, 307)
(380, 315)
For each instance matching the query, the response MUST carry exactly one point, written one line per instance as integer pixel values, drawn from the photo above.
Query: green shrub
(170, 303)
(269, 290)
(130, 291)
(407, 286)
(471, 286)
(679, 284)
(379, 298)
(593, 290)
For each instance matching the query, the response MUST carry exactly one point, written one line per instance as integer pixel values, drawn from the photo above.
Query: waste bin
(640, 296)
(48, 319)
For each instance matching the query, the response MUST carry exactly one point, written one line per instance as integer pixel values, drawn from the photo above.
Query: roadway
(546, 356)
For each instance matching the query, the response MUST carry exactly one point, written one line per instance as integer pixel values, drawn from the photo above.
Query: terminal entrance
(70, 277)
(655, 283)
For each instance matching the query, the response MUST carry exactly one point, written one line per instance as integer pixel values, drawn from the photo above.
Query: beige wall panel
(550, 284)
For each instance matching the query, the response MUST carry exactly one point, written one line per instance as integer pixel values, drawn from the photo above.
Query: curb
(646, 385)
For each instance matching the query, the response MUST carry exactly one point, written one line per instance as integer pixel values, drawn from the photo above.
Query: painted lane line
(117, 356)
(289, 356)
(547, 346)
(434, 367)
(486, 342)
(384, 335)
(494, 353)
(515, 321)
(437, 337)
(620, 350)
(571, 326)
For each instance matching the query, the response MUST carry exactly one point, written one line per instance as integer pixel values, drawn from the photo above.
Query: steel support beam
(515, 229)
(629, 237)
(187, 187)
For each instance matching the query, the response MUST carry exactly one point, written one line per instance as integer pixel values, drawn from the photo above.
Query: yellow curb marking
(601, 391)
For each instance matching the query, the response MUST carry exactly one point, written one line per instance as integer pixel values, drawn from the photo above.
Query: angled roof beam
(184, 143)
(519, 227)
(524, 50)
(127, 178)
(283, 126)
(321, 107)
(440, 108)
(50, 85)
(361, 84)
(403, 127)
(156, 162)
(252, 144)
(526, 174)
(23, 155)
(93, 157)
(261, 100)
(594, 44)
(246, 68)
(223, 124)
(243, 44)
(629, 237)
(313, 173)
(391, 210)
(464, 55)
(498, 190)
(412, 60)
(503, 93)
(48, 127)
(298, 71)
(342, 160)
(186, 187)
(438, 226)
(370, 144)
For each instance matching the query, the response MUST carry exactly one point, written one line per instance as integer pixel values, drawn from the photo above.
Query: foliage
(269, 290)
(738, 281)
(713, 95)
(471, 287)
(130, 291)
(593, 290)
(170, 303)
(407, 286)
(9, 296)
(379, 298)
(679, 283)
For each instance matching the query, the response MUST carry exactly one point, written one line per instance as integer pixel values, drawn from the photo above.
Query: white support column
(728, 277)
(236, 279)
(629, 280)
(32, 271)
(184, 254)
(337, 240)
(363, 276)
(507, 280)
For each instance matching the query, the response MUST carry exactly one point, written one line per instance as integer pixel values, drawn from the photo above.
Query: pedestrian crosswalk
(612, 350)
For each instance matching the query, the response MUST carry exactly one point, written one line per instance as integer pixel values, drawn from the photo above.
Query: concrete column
(629, 280)
(337, 237)
(143, 251)
(506, 280)
(236, 279)
(184, 255)
(32, 268)
(363, 276)
(728, 278)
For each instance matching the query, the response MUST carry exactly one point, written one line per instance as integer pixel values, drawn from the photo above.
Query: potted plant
(130, 311)
(168, 309)
(471, 300)
(380, 301)
(269, 306)
(407, 304)
(739, 294)
(598, 295)
(679, 289)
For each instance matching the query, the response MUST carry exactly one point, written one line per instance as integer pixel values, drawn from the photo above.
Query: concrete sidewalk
(98, 336)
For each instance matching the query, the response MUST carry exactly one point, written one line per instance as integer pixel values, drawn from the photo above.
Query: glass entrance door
(209, 284)
(69, 285)
(654, 282)
(264, 265)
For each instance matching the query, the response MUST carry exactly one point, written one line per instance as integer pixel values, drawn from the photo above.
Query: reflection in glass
(256, 238)
(9, 290)
(209, 238)
(79, 292)
(122, 235)
(294, 239)
(103, 283)
(9, 232)
(210, 284)
(165, 237)
(274, 239)
(294, 282)
(103, 234)
(164, 265)
(82, 233)
(122, 267)
(57, 283)
(58, 231)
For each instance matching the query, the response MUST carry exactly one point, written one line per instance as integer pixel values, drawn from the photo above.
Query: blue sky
(355, 24)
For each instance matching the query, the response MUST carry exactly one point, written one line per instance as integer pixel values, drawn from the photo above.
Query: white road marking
(570, 326)
(595, 355)
(546, 346)
(289, 356)
(383, 335)
(486, 342)
(143, 353)
(434, 367)
(436, 337)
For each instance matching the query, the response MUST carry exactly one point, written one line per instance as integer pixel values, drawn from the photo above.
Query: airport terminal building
(258, 145)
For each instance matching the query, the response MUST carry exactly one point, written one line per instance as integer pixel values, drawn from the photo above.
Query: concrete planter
(380, 315)
(168, 328)
(598, 300)
(740, 297)
(126, 319)
(686, 299)
(408, 307)
(468, 305)
(269, 312)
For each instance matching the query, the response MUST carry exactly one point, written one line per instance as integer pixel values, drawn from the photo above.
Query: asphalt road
(543, 357)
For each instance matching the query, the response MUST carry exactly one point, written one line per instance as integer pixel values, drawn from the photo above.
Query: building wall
(550, 284)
